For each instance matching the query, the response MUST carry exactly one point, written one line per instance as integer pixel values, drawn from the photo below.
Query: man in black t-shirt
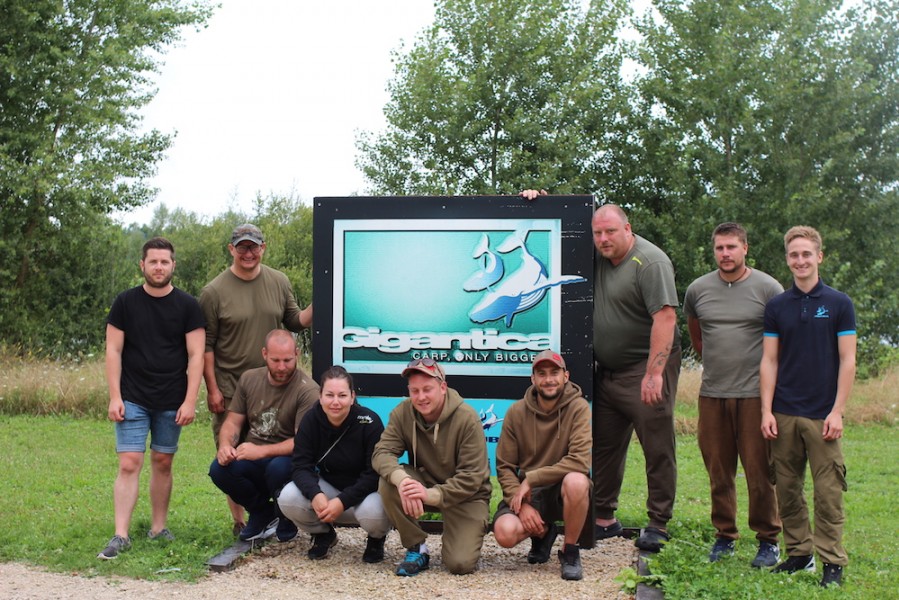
(155, 339)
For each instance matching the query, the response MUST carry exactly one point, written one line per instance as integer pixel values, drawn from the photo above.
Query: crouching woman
(333, 480)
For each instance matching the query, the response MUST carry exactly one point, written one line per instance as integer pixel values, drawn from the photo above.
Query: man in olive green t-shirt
(241, 305)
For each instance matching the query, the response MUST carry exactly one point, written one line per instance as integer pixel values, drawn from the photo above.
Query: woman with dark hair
(333, 480)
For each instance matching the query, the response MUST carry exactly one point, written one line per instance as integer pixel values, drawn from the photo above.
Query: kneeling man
(449, 472)
(273, 400)
(542, 463)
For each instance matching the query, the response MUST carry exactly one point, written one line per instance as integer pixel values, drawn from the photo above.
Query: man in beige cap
(241, 305)
(449, 471)
(543, 465)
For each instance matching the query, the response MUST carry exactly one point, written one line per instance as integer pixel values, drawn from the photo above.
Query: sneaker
(162, 534)
(414, 563)
(542, 546)
(833, 575)
(374, 550)
(322, 544)
(286, 529)
(257, 523)
(116, 544)
(570, 559)
(652, 539)
(767, 556)
(721, 548)
(796, 563)
(609, 531)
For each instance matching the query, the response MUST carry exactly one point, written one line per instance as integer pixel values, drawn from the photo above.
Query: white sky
(269, 97)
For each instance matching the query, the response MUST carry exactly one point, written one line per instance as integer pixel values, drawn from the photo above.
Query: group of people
(778, 370)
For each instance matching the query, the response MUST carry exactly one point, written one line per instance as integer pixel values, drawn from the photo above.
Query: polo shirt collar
(815, 292)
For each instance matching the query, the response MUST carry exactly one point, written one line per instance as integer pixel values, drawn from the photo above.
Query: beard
(158, 284)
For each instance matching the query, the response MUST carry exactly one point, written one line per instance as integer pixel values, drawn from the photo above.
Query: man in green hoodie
(449, 471)
(543, 465)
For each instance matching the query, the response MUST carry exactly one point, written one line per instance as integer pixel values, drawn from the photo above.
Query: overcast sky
(268, 98)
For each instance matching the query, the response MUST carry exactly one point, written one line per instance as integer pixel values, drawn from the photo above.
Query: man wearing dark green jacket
(449, 471)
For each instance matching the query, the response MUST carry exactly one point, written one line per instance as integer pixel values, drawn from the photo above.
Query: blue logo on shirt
(822, 313)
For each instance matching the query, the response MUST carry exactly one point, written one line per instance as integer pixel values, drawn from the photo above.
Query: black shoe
(570, 559)
(833, 575)
(257, 523)
(541, 547)
(652, 539)
(286, 530)
(722, 547)
(374, 550)
(767, 556)
(609, 531)
(796, 563)
(322, 544)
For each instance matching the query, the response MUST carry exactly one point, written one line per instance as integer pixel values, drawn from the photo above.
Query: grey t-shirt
(624, 299)
(731, 319)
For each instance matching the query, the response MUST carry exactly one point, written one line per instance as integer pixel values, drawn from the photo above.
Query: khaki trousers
(799, 441)
(464, 526)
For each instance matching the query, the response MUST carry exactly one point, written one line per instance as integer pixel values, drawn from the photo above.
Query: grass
(57, 473)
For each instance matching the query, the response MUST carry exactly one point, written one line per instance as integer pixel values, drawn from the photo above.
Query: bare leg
(575, 504)
(160, 488)
(125, 490)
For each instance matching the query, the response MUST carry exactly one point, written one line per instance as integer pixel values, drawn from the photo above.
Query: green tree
(73, 76)
(773, 113)
(502, 94)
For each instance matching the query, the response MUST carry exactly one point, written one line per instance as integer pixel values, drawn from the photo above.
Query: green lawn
(57, 472)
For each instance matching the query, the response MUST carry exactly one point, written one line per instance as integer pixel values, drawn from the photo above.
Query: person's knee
(575, 486)
(457, 566)
(130, 463)
(505, 531)
(162, 463)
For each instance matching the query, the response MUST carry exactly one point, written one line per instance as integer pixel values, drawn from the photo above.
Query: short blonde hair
(806, 232)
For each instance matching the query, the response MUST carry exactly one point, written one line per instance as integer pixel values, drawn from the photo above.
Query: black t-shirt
(154, 357)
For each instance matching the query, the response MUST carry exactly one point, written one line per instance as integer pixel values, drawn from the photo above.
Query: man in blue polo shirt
(807, 370)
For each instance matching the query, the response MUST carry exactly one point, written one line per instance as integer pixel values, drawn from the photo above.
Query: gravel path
(283, 571)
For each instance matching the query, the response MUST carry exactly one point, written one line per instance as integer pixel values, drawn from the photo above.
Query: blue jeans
(252, 483)
(131, 434)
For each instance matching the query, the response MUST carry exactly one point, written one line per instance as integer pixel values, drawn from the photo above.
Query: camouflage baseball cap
(247, 232)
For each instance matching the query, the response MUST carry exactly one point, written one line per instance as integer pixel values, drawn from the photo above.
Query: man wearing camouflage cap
(241, 305)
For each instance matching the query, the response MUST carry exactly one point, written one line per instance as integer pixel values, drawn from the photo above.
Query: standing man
(637, 350)
(154, 361)
(807, 371)
(725, 315)
(271, 400)
(543, 466)
(241, 305)
(449, 471)
(636, 346)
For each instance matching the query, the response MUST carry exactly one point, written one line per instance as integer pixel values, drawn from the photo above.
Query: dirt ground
(282, 571)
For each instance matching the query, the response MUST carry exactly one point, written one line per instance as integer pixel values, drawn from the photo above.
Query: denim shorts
(131, 434)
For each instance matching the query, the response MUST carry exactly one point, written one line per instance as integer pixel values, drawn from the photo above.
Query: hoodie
(450, 456)
(544, 446)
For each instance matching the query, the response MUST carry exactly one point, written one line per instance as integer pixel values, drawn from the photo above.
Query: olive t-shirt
(239, 314)
(273, 412)
(624, 299)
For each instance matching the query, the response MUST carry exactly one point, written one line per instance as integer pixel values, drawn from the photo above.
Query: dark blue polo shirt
(807, 327)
